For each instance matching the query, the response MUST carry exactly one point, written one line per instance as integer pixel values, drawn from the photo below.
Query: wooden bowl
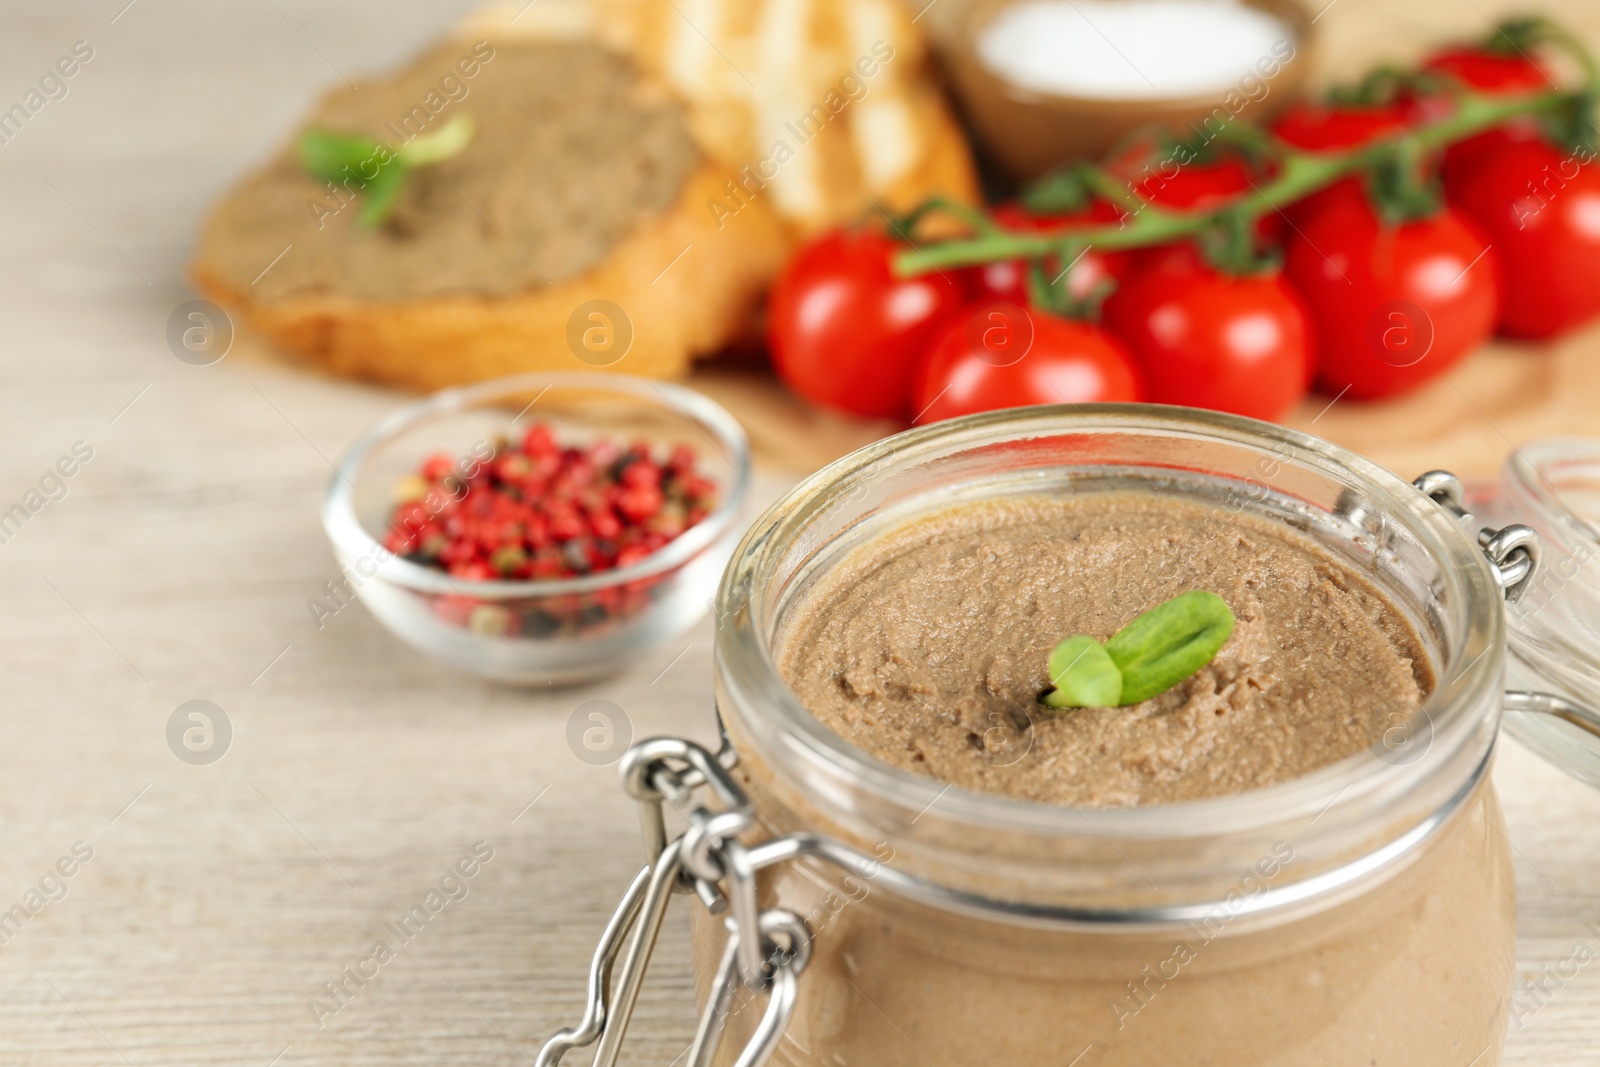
(1029, 132)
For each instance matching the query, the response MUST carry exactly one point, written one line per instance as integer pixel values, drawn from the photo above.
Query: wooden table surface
(176, 564)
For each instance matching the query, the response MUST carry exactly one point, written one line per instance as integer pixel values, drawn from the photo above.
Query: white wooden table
(177, 566)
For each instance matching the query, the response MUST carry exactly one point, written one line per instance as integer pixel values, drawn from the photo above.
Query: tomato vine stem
(1299, 174)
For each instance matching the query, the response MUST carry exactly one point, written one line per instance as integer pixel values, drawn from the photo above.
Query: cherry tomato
(1211, 340)
(1333, 127)
(1007, 279)
(1163, 179)
(1487, 72)
(1541, 209)
(846, 333)
(1494, 72)
(1004, 355)
(1391, 306)
(1322, 127)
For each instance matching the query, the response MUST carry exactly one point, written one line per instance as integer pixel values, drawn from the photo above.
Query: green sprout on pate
(1145, 658)
(377, 171)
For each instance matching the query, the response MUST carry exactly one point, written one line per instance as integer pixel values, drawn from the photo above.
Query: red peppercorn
(541, 509)
(605, 525)
(565, 522)
(603, 453)
(641, 473)
(539, 441)
(536, 530)
(640, 503)
(438, 466)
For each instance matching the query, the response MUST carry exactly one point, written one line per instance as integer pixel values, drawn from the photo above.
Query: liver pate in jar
(1291, 856)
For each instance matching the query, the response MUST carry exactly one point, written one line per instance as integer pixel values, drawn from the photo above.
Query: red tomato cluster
(847, 334)
(1360, 307)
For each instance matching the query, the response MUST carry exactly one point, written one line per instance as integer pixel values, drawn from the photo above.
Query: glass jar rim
(1456, 708)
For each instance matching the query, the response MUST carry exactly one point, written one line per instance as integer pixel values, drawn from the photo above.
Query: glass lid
(1552, 487)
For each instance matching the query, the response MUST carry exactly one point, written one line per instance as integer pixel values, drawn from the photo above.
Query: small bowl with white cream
(1047, 82)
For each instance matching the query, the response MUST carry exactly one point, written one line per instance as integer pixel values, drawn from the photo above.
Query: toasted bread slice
(684, 285)
(582, 184)
(826, 109)
(840, 119)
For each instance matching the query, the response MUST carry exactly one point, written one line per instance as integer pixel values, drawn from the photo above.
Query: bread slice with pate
(623, 203)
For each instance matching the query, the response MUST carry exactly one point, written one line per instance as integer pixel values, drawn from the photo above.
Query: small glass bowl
(552, 631)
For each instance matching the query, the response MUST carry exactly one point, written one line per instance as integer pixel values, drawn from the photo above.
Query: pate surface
(927, 648)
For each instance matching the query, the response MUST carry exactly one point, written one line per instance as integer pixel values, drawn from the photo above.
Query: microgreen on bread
(377, 170)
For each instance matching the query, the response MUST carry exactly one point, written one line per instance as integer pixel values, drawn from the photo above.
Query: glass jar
(1364, 910)
(1361, 914)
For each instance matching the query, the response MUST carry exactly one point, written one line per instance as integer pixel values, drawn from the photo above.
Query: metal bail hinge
(766, 950)
(1513, 549)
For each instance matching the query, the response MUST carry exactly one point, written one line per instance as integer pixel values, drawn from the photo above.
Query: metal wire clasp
(766, 950)
(1513, 549)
